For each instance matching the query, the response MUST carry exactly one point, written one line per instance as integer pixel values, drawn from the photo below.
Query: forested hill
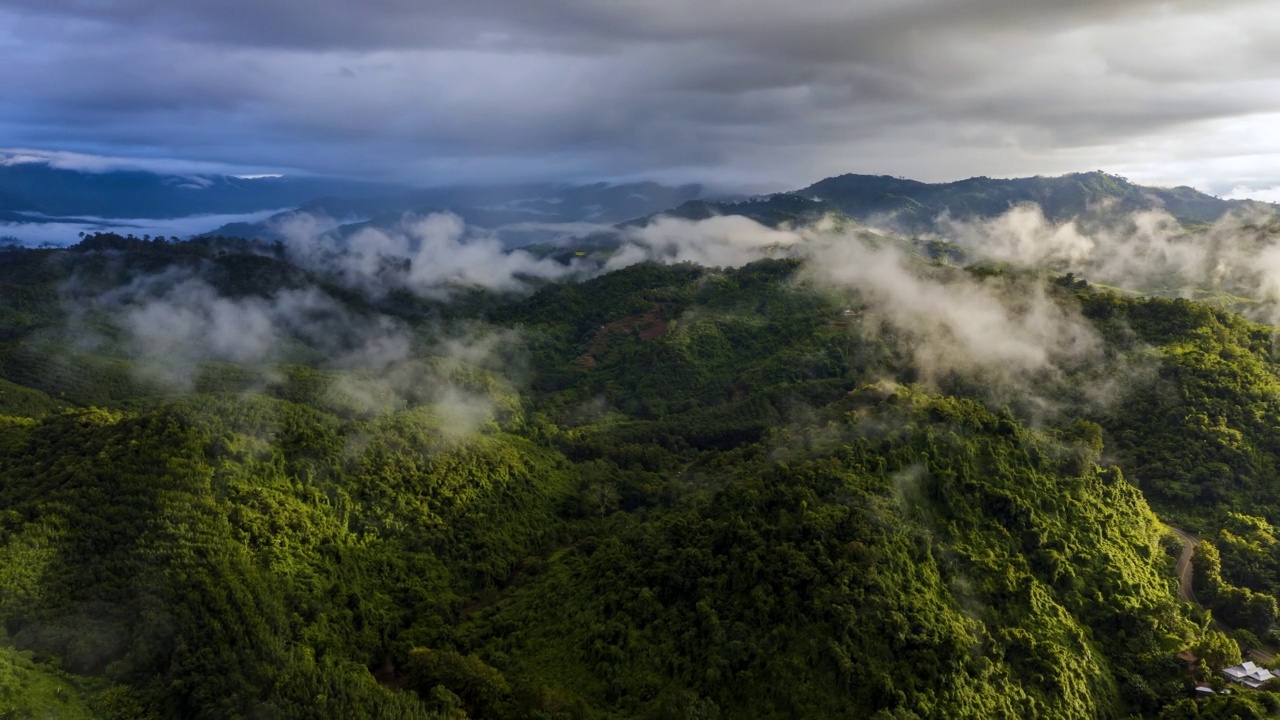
(839, 481)
(918, 206)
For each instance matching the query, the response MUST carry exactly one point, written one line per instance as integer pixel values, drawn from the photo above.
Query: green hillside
(666, 491)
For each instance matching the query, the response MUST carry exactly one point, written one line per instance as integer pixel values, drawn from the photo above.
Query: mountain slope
(236, 488)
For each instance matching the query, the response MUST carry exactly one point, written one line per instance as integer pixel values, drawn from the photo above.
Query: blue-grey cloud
(744, 92)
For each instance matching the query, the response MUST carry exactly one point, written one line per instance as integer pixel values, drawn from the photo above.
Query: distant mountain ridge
(1061, 198)
(529, 213)
(913, 205)
(36, 193)
(518, 214)
(29, 191)
(499, 204)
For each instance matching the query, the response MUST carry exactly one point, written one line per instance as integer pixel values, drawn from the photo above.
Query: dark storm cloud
(749, 91)
(819, 30)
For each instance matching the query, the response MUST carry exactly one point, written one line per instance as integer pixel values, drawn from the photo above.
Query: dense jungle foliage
(666, 491)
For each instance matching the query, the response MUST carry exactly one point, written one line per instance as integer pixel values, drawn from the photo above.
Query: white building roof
(1248, 673)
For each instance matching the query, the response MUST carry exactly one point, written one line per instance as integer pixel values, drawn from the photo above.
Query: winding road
(1189, 543)
(1187, 594)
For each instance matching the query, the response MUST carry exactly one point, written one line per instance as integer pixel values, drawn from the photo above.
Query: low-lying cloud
(171, 325)
(1009, 332)
(721, 241)
(62, 231)
(431, 256)
(469, 378)
(173, 321)
(1149, 251)
(1006, 331)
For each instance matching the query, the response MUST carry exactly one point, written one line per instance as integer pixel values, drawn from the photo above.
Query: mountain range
(524, 214)
(879, 200)
(36, 193)
(912, 205)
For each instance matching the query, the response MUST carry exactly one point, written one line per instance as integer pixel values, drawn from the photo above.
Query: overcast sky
(757, 93)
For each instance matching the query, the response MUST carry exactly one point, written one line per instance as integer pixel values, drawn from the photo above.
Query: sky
(745, 94)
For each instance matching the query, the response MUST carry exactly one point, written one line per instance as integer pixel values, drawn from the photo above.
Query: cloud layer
(1145, 251)
(67, 233)
(431, 256)
(172, 325)
(1007, 332)
(737, 93)
(722, 241)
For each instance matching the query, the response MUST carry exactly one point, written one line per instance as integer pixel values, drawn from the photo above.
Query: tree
(1216, 651)
(603, 496)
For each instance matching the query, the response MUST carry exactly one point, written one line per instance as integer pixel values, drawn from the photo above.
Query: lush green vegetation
(686, 492)
(1200, 434)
